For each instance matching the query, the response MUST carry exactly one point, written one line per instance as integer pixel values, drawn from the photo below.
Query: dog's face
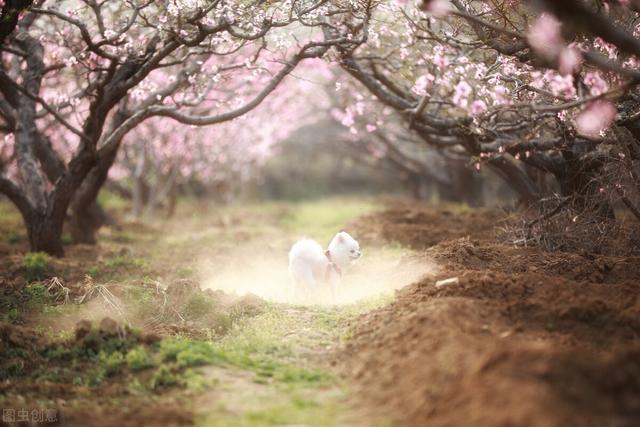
(345, 246)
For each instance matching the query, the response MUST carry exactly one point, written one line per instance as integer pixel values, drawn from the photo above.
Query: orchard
(160, 161)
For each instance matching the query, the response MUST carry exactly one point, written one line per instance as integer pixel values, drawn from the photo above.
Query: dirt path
(303, 341)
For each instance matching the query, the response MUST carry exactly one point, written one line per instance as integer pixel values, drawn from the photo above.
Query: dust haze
(262, 271)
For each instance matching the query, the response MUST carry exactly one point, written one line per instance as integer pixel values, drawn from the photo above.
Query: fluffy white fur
(310, 267)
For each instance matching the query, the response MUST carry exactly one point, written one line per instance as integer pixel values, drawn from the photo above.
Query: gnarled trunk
(86, 216)
(45, 234)
(84, 222)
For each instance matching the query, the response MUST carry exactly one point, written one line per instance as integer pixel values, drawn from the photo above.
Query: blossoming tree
(159, 156)
(77, 76)
(523, 87)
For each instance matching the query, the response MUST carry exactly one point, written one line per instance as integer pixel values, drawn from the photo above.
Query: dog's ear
(341, 237)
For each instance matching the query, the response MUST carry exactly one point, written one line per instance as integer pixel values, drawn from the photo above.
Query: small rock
(109, 327)
(182, 288)
(82, 329)
(449, 281)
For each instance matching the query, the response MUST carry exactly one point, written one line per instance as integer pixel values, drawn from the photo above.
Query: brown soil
(419, 226)
(525, 338)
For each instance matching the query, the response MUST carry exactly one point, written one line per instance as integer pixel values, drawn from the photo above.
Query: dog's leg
(309, 285)
(304, 285)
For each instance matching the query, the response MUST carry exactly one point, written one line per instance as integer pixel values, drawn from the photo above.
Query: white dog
(310, 265)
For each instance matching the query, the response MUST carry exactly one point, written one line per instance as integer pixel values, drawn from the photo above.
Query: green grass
(260, 345)
(138, 358)
(185, 352)
(111, 362)
(322, 219)
(288, 390)
(11, 224)
(112, 201)
(199, 305)
(34, 297)
(118, 266)
(163, 377)
(290, 410)
(35, 266)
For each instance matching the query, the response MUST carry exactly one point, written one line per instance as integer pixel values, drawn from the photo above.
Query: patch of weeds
(298, 375)
(55, 374)
(112, 201)
(123, 261)
(95, 376)
(37, 295)
(11, 368)
(185, 352)
(142, 300)
(198, 306)
(135, 387)
(61, 335)
(138, 358)
(110, 268)
(11, 315)
(163, 377)
(185, 271)
(193, 380)
(60, 353)
(13, 237)
(35, 266)
(111, 362)
(93, 271)
(294, 410)
(258, 344)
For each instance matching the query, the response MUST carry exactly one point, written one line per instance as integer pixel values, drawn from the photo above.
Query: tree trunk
(140, 187)
(86, 216)
(85, 222)
(173, 200)
(45, 234)
(516, 177)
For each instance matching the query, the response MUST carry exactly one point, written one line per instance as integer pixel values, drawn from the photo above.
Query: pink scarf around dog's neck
(331, 265)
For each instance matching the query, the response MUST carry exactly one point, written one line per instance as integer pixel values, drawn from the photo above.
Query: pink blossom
(562, 86)
(596, 84)
(348, 120)
(478, 107)
(610, 49)
(437, 8)
(569, 60)
(544, 36)
(371, 128)
(596, 118)
(461, 94)
(423, 83)
(562, 115)
(439, 57)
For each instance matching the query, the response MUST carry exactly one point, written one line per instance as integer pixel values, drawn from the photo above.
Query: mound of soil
(479, 255)
(419, 227)
(522, 337)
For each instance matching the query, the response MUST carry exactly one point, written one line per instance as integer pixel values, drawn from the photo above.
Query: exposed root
(59, 292)
(109, 299)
